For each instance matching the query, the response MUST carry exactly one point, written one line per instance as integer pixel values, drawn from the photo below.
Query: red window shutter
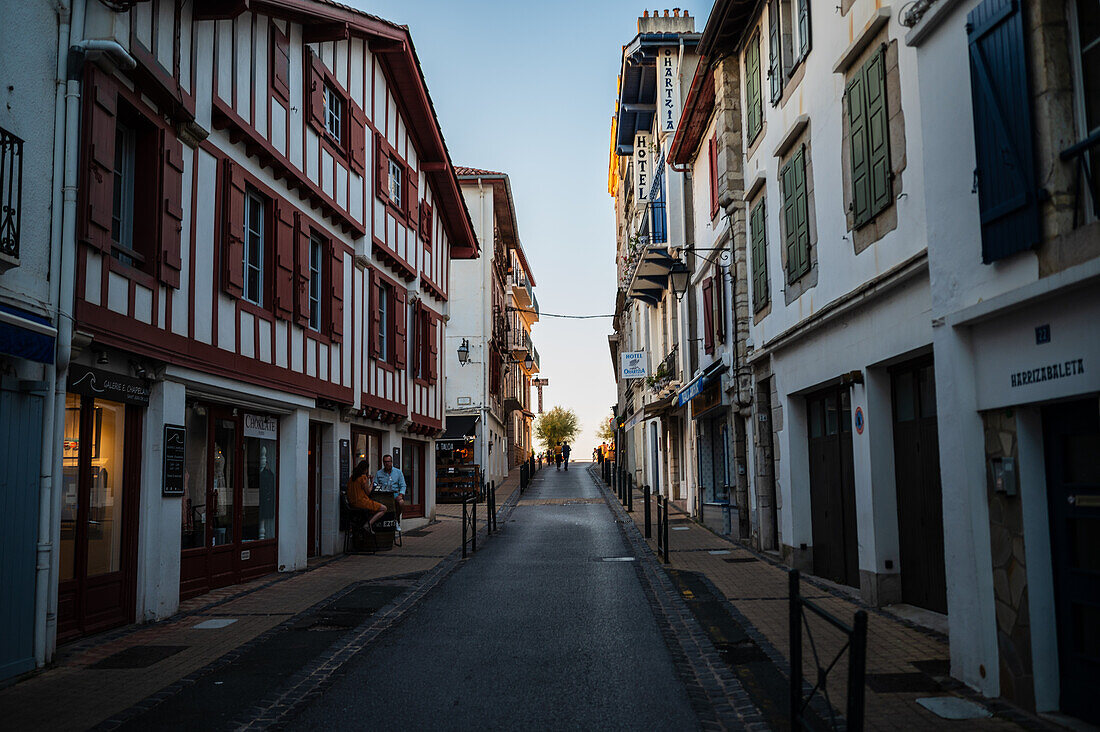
(375, 315)
(400, 327)
(233, 234)
(713, 177)
(336, 283)
(720, 308)
(426, 222)
(316, 90)
(301, 285)
(280, 63)
(284, 259)
(357, 140)
(411, 200)
(381, 167)
(101, 97)
(433, 349)
(171, 213)
(708, 315)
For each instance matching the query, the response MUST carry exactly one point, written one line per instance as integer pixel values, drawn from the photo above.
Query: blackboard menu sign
(345, 463)
(173, 459)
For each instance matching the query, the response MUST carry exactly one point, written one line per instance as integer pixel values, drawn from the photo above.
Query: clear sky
(528, 88)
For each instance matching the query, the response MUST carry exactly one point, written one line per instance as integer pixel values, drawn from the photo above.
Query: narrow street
(546, 626)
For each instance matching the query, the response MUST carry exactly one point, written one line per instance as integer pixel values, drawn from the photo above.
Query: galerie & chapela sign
(106, 385)
(634, 365)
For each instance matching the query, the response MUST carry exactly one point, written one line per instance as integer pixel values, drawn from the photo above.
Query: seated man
(390, 480)
(359, 490)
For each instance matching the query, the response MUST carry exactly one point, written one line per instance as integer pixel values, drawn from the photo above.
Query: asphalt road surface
(537, 630)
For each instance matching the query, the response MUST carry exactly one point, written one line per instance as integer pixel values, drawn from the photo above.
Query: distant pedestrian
(557, 456)
(565, 450)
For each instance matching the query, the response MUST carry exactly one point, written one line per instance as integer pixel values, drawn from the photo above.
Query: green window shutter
(752, 88)
(790, 222)
(802, 212)
(878, 132)
(758, 222)
(803, 28)
(857, 148)
(775, 61)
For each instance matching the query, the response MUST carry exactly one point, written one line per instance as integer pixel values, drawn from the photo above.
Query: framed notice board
(174, 453)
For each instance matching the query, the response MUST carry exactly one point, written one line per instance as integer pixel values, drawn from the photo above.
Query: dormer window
(334, 114)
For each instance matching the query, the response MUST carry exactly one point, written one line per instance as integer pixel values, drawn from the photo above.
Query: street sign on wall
(634, 365)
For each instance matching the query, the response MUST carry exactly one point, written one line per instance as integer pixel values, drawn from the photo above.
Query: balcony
(11, 194)
(535, 358)
(666, 377)
(519, 342)
(530, 314)
(521, 289)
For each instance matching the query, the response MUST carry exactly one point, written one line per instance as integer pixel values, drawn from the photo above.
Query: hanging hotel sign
(668, 75)
(173, 460)
(634, 365)
(642, 167)
(265, 428)
(105, 385)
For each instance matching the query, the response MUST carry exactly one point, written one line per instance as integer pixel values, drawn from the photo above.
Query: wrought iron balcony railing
(1083, 153)
(11, 192)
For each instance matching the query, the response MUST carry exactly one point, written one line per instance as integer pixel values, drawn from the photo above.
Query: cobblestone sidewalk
(74, 694)
(905, 662)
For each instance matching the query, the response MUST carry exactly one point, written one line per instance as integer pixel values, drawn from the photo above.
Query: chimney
(674, 22)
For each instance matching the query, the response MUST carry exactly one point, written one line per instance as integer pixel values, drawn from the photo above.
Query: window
(788, 41)
(316, 259)
(758, 231)
(753, 96)
(423, 351)
(869, 140)
(254, 247)
(657, 207)
(122, 211)
(385, 293)
(796, 215)
(395, 179)
(334, 114)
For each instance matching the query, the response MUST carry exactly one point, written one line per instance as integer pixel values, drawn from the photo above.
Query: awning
(460, 427)
(660, 407)
(696, 385)
(26, 335)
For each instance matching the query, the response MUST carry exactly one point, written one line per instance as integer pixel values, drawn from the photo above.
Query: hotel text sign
(642, 167)
(634, 365)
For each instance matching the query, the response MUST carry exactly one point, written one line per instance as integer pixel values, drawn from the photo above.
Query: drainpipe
(43, 559)
(487, 305)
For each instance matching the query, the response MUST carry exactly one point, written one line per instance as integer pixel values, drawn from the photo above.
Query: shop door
(101, 465)
(1072, 444)
(313, 500)
(832, 486)
(412, 467)
(366, 445)
(917, 480)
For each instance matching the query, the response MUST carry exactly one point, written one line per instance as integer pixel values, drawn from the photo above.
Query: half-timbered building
(265, 221)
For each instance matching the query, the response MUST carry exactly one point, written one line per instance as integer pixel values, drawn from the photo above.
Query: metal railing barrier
(856, 646)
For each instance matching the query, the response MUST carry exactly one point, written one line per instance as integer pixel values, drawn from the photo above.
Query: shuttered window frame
(796, 215)
(279, 66)
(758, 232)
(407, 210)
(395, 322)
(869, 140)
(708, 315)
(351, 150)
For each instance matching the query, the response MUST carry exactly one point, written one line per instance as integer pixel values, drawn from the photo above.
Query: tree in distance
(556, 425)
(604, 433)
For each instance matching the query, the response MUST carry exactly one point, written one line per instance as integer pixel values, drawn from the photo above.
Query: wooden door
(313, 538)
(917, 481)
(832, 486)
(222, 499)
(1071, 441)
(413, 466)
(102, 462)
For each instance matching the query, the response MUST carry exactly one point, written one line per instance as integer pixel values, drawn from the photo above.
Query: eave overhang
(637, 102)
(508, 223)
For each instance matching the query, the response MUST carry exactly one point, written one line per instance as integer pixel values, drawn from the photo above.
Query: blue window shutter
(1004, 146)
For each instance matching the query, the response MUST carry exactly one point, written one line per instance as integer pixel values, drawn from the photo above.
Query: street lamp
(464, 353)
(679, 276)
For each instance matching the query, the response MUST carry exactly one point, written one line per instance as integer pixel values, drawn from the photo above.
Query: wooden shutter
(400, 327)
(315, 88)
(857, 148)
(758, 222)
(280, 63)
(878, 133)
(802, 211)
(412, 201)
(803, 28)
(171, 209)
(233, 232)
(284, 259)
(1003, 139)
(775, 54)
(752, 88)
(433, 349)
(381, 167)
(426, 222)
(713, 156)
(336, 288)
(719, 290)
(357, 139)
(708, 315)
(99, 160)
(303, 247)
(375, 316)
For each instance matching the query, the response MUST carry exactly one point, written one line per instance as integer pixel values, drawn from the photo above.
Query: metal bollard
(660, 536)
(630, 497)
(493, 496)
(465, 498)
(473, 525)
(665, 543)
(647, 510)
